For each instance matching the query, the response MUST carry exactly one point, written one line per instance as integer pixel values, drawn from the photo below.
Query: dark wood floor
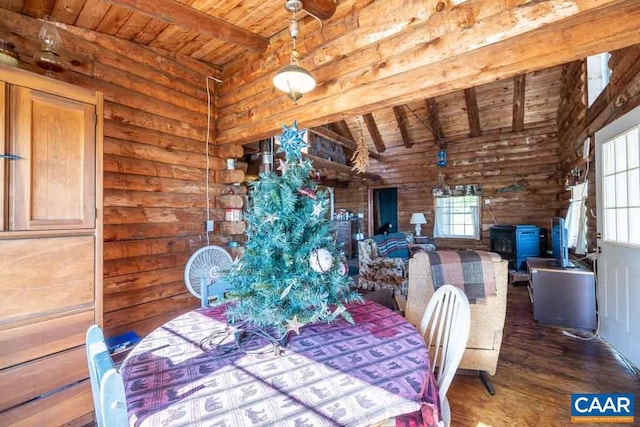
(538, 370)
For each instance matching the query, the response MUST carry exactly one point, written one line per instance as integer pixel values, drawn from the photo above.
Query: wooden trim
(24, 78)
(3, 150)
(472, 111)
(99, 211)
(519, 83)
(402, 126)
(374, 132)
(37, 234)
(194, 20)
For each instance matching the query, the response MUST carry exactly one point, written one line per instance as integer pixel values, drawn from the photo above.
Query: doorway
(384, 210)
(618, 219)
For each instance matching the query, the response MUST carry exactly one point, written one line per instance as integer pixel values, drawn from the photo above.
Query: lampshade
(294, 80)
(418, 218)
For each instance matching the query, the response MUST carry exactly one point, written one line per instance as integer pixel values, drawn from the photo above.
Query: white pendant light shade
(294, 80)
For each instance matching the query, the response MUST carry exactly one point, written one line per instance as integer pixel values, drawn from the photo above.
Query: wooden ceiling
(526, 101)
(259, 20)
(398, 72)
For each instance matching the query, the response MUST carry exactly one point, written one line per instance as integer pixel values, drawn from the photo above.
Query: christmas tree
(291, 271)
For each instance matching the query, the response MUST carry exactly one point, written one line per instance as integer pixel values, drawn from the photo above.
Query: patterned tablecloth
(330, 374)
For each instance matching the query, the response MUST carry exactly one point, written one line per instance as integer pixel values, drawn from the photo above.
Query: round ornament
(321, 260)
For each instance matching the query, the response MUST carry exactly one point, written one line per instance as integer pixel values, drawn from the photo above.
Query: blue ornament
(291, 142)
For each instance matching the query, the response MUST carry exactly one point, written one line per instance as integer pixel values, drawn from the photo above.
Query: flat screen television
(560, 243)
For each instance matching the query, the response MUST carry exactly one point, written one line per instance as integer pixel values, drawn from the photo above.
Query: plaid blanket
(471, 271)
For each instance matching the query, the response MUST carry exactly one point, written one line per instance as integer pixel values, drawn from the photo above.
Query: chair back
(107, 384)
(214, 290)
(445, 327)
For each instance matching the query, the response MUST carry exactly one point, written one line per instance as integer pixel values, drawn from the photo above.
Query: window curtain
(438, 222)
(576, 219)
(475, 220)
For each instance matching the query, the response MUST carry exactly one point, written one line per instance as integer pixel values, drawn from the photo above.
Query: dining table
(195, 371)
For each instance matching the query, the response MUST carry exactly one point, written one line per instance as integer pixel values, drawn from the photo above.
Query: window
(621, 188)
(598, 74)
(457, 217)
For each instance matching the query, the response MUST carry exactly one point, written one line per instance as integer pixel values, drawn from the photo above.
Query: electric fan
(211, 262)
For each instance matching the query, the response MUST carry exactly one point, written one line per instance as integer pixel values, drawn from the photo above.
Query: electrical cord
(206, 150)
(596, 334)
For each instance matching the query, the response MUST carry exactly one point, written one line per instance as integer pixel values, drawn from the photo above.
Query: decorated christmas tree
(291, 272)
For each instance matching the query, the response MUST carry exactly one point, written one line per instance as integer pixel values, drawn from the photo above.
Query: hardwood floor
(538, 370)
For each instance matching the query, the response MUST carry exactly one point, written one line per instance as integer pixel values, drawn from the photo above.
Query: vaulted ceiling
(395, 72)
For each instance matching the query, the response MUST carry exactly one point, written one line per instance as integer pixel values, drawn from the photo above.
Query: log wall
(155, 124)
(494, 161)
(577, 121)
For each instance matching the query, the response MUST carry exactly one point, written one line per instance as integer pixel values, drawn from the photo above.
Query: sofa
(383, 263)
(487, 318)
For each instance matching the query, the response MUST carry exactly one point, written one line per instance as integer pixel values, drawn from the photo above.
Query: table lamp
(418, 219)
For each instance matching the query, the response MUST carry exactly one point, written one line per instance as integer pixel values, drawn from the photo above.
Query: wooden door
(53, 185)
(618, 208)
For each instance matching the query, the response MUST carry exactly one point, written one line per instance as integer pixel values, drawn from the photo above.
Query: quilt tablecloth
(331, 374)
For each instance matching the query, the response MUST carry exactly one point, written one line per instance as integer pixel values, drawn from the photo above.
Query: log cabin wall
(577, 121)
(155, 122)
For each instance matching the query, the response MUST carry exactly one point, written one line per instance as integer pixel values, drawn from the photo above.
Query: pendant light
(292, 79)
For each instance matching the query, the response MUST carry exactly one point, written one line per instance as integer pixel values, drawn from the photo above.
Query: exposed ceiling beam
(192, 19)
(374, 132)
(343, 129)
(349, 144)
(402, 126)
(518, 102)
(470, 57)
(434, 120)
(472, 111)
(322, 9)
(319, 162)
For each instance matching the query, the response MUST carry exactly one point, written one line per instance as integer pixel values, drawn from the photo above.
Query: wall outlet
(487, 201)
(208, 226)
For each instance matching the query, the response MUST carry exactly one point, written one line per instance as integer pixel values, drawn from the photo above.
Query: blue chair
(214, 291)
(107, 385)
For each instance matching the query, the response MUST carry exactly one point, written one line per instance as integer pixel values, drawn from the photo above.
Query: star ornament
(271, 218)
(291, 141)
(294, 325)
(317, 209)
(283, 166)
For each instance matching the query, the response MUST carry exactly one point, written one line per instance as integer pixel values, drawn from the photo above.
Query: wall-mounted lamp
(418, 219)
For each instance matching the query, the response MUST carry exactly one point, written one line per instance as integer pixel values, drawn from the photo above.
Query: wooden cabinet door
(3, 162)
(52, 186)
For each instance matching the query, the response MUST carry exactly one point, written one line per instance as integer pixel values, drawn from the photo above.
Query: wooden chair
(212, 291)
(445, 327)
(107, 384)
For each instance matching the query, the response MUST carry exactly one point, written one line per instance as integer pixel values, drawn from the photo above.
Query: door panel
(618, 204)
(53, 183)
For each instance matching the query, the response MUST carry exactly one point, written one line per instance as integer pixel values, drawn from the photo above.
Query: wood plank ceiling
(361, 46)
